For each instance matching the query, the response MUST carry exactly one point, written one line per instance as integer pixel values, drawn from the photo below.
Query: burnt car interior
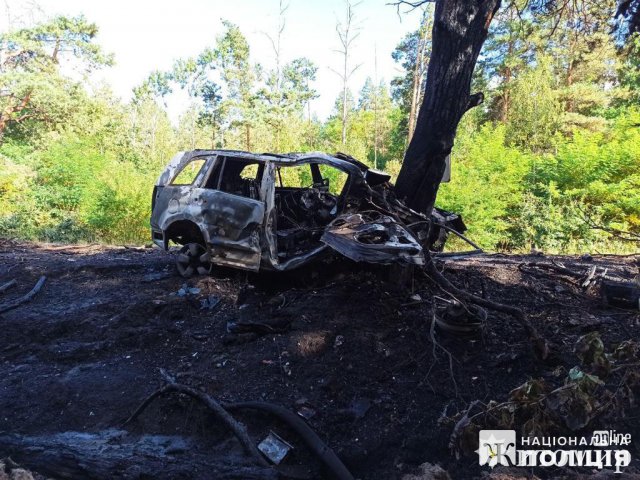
(238, 176)
(307, 197)
(306, 202)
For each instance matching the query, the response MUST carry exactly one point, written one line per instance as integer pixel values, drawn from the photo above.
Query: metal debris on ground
(187, 290)
(155, 276)
(304, 409)
(274, 447)
(306, 412)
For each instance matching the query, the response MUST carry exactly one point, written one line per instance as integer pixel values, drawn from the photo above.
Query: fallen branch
(25, 298)
(623, 235)
(8, 285)
(238, 429)
(458, 429)
(456, 255)
(540, 345)
(477, 248)
(325, 454)
(557, 268)
(460, 235)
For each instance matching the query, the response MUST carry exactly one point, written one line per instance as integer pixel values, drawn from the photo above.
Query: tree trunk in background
(344, 109)
(459, 31)
(418, 74)
(8, 115)
(347, 33)
(415, 92)
(247, 136)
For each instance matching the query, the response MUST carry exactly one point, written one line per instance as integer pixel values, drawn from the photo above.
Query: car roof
(283, 158)
(339, 160)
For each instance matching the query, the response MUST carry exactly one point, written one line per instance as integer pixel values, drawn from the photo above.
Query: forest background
(550, 161)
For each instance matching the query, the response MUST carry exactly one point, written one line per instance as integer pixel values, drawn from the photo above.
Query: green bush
(120, 205)
(486, 185)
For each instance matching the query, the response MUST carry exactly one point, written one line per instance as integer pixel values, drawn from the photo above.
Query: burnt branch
(26, 298)
(475, 100)
(8, 285)
(238, 429)
(221, 410)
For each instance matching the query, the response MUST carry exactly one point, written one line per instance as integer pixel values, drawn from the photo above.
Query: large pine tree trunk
(459, 31)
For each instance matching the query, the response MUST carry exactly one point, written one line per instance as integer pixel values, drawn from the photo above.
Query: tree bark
(7, 115)
(459, 31)
(247, 131)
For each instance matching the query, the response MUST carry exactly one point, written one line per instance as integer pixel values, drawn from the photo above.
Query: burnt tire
(193, 259)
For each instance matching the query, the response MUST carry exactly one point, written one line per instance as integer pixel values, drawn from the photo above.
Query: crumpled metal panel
(372, 237)
(233, 227)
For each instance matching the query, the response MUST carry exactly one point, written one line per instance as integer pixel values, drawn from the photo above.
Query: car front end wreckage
(278, 212)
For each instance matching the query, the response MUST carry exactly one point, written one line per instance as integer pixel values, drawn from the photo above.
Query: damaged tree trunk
(459, 31)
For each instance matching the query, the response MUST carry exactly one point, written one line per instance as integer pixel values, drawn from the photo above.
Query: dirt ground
(336, 342)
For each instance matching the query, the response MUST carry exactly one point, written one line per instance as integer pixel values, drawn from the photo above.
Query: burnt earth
(336, 341)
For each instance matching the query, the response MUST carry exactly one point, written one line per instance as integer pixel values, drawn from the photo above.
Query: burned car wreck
(278, 212)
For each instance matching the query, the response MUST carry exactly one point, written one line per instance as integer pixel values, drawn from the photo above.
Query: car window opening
(237, 176)
(189, 172)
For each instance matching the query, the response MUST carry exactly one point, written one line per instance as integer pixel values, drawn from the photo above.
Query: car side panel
(172, 202)
(233, 226)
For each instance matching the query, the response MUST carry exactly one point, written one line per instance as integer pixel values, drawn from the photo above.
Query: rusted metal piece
(230, 203)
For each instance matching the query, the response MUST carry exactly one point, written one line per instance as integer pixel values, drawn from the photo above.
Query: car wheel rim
(193, 258)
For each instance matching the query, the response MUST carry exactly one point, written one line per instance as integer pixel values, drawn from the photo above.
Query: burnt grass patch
(341, 343)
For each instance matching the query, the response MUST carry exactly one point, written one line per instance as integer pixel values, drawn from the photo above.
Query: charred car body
(278, 212)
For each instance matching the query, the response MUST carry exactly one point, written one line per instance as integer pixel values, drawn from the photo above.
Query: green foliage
(486, 184)
(629, 70)
(515, 200)
(75, 193)
(34, 91)
(120, 206)
(551, 160)
(534, 115)
(15, 202)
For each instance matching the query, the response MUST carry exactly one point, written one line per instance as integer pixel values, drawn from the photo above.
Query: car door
(233, 220)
